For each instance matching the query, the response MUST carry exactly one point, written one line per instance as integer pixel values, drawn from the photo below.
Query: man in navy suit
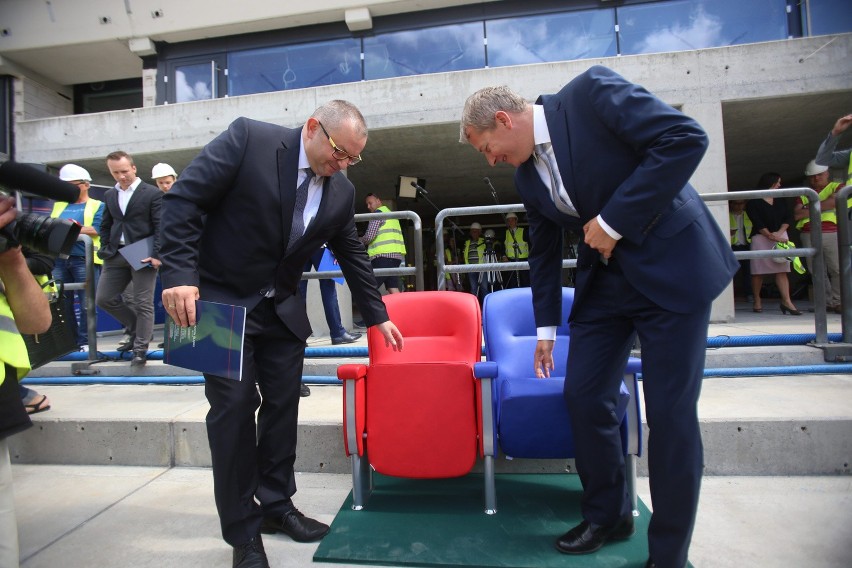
(607, 159)
(238, 227)
(131, 214)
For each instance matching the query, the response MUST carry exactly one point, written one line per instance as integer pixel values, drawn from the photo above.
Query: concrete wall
(697, 81)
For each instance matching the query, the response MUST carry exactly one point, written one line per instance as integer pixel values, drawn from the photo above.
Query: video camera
(44, 234)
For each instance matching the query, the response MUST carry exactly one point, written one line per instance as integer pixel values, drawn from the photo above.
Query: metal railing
(817, 263)
(444, 268)
(416, 270)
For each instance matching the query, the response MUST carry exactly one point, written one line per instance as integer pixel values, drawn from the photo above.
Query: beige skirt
(766, 265)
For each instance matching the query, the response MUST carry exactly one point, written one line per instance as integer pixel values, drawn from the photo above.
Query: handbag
(60, 339)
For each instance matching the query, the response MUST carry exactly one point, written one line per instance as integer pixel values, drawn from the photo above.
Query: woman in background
(770, 217)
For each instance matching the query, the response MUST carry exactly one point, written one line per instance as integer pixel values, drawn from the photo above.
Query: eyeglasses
(340, 153)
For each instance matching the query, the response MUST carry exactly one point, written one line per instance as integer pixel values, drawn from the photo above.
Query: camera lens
(45, 234)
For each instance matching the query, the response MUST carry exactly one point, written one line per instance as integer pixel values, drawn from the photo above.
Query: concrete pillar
(711, 177)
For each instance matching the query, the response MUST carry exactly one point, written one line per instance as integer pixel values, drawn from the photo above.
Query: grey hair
(481, 107)
(333, 113)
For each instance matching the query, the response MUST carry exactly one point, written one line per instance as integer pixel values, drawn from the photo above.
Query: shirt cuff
(547, 333)
(609, 230)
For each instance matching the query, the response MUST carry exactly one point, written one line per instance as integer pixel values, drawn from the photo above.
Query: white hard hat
(813, 168)
(162, 170)
(476, 226)
(511, 216)
(73, 172)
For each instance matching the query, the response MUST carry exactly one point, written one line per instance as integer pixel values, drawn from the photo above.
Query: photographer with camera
(474, 253)
(23, 309)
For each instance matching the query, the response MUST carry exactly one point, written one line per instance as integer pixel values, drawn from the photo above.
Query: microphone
(418, 188)
(21, 176)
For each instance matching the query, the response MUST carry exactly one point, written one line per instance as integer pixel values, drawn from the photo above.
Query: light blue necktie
(542, 155)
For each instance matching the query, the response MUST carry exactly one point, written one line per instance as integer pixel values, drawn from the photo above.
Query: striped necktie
(546, 158)
(297, 229)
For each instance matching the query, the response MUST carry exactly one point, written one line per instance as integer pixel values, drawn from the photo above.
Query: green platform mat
(441, 523)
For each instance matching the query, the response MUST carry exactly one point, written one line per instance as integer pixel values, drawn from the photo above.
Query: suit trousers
(256, 461)
(603, 329)
(138, 319)
(328, 292)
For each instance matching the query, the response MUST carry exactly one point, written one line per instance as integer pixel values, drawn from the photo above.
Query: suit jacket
(226, 223)
(626, 155)
(140, 220)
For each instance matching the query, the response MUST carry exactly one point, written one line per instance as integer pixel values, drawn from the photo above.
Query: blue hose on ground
(318, 352)
(763, 340)
(152, 380)
(835, 369)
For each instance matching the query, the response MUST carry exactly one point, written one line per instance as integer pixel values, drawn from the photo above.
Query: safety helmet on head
(162, 170)
(73, 172)
(813, 168)
(511, 216)
(475, 225)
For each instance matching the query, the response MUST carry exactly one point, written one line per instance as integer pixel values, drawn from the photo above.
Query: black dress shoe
(588, 537)
(295, 525)
(139, 358)
(251, 554)
(304, 390)
(650, 564)
(126, 343)
(345, 338)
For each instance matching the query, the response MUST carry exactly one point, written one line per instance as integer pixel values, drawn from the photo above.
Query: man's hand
(841, 125)
(598, 239)
(393, 338)
(543, 358)
(152, 261)
(180, 304)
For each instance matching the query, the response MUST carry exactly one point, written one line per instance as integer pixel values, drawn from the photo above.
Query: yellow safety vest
(389, 238)
(92, 206)
(747, 225)
(829, 215)
(523, 246)
(480, 247)
(13, 350)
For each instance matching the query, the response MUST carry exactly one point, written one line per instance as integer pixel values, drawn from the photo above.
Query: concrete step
(780, 425)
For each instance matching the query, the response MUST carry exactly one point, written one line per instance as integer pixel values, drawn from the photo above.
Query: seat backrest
(510, 332)
(436, 326)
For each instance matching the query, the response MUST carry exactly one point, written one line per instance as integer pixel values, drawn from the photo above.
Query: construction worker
(741, 225)
(164, 175)
(516, 249)
(816, 177)
(88, 212)
(385, 244)
(828, 156)
(474, 253)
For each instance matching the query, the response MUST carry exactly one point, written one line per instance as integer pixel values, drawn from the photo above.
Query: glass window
(552, 37)
(194, 82)
(694, 24)
(431, 50)
(829, 17)
(294, 66)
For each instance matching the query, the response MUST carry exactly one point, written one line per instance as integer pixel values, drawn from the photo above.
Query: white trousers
(9, 554)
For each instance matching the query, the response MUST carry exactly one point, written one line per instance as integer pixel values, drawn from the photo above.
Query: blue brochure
(135, 252)
(328, 263)
(213, 345)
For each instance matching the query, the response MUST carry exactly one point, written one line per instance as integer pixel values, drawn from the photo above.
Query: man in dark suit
(271, 196)
(610, 161)
(131, 214)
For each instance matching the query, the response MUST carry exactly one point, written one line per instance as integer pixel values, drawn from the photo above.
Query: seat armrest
(351, 372)
(485, 370)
